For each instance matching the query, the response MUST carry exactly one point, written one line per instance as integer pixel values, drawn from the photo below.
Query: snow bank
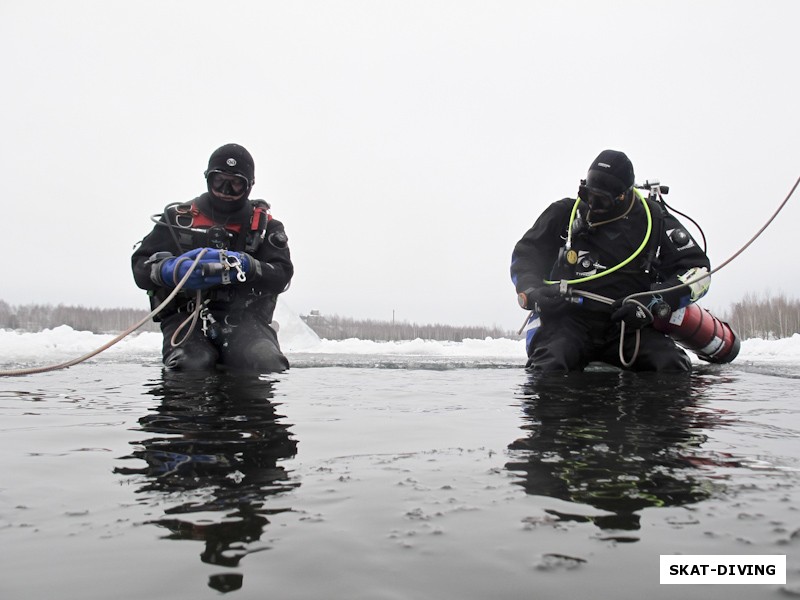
(295, 336)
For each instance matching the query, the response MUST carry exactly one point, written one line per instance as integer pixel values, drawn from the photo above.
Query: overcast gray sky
(406, 145)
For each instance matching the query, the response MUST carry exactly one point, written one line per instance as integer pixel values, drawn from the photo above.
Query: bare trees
(340, 328)
(36, 317)
(754, 316)
(765, 317)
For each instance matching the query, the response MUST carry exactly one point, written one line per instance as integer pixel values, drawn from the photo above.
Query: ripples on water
(390, 477)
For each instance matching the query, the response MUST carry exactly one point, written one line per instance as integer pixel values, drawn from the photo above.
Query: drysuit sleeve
(535, 254)
(681, 263)
(272, 267)
(158, 240)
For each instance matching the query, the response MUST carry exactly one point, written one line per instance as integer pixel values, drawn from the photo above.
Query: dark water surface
(392, 480)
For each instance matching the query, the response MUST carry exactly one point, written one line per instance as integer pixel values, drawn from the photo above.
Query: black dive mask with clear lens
(597, 199)
(227, 184)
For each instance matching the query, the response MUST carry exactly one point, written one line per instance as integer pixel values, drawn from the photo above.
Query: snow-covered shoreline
(64, 341)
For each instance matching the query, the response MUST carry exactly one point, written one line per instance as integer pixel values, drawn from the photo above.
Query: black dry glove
(633, 313)
(546, 298)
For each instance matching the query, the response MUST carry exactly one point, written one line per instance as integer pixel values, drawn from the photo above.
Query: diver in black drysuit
(609, 228)
(245, 266)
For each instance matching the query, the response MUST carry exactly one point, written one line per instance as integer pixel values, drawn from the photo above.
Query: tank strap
(184, 218)
(659, 212)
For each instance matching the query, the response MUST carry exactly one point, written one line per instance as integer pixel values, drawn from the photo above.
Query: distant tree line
(342, 328)
(37, 317)
(765, 317)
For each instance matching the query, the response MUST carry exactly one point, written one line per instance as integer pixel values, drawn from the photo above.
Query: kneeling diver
(233, 289)
(611, 242)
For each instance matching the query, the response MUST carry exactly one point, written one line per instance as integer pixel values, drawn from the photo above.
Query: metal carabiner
(233, 262)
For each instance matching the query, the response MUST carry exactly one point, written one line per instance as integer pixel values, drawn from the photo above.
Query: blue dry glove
(174, 269)
(211, 255)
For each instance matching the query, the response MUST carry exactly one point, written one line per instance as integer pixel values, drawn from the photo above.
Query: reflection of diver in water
(619, 442)
(217, 446)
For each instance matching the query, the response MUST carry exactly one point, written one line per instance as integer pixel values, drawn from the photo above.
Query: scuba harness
(191, 228)
(704, 338)
(191, 223)
(656, 210)
(568, 258)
